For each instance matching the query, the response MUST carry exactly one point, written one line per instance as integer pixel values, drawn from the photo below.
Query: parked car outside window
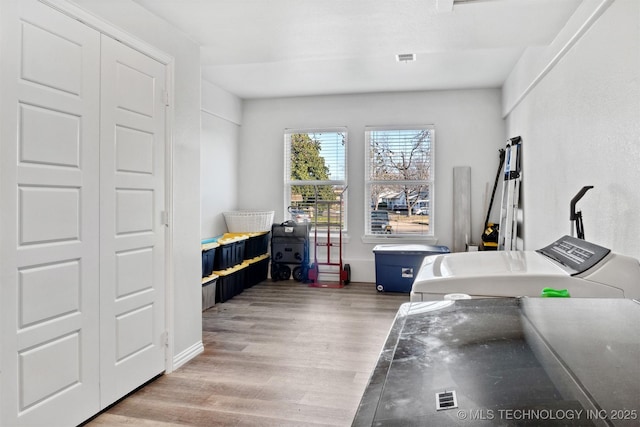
(299, 215)
(380, 222)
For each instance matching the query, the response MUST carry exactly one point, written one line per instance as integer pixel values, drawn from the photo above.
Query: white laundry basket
(247, 221)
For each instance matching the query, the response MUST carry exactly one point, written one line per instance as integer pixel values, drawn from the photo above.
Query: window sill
(391, 238)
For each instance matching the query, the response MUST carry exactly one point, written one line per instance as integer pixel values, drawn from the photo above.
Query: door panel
(50, 211)
(134, 331)
(136, 89)
(131, 271)
(62, 57)
(49, 137)
(134, 151)
(48, 291)
(134, 211)
(82, 243)
(132, 235)
(62, 207)
(62, 353)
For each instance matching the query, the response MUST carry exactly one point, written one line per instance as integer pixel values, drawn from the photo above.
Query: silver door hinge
(165, 98)
(164, 218)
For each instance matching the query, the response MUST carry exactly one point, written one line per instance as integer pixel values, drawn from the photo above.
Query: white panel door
(132, 199)
(49, 219)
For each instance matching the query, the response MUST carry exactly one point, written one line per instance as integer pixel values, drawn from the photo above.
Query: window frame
(288, 182)
(369, 182)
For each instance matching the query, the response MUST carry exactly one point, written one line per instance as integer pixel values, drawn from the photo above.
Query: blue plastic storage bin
(230, 282)
(257, 245)
(230, 252)
(397, 265)
(257, 270)
(208, 257)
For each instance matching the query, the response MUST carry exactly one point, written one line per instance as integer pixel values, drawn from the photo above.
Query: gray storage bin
(209, 293)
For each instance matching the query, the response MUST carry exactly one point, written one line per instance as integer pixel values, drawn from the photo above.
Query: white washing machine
(583, 268)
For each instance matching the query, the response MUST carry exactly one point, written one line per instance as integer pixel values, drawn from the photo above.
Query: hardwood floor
(279, 354)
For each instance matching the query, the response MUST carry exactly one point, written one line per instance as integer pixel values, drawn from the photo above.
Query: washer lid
(487, 264)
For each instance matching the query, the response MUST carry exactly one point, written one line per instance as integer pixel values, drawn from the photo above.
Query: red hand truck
(331, 273)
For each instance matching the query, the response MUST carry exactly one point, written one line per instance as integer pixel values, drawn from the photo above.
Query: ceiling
(275, 48)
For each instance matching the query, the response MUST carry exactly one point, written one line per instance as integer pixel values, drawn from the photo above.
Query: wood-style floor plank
(279, 354)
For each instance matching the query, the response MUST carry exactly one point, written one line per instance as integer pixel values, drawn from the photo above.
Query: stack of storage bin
(229, 265)
(241, 262)
(209, 278)
(230, 251)
(230, 282)
(256, 256)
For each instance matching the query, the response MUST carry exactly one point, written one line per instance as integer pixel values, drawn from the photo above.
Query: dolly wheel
(312, 274)
(380, 288)
(285, 272)
(275, 272)
(346, 274)
(298, 274)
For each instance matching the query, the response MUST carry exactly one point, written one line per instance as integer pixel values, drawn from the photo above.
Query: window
(399, 181)
(316, 176)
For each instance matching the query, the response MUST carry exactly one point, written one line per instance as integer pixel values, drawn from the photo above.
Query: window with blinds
(316, 176)
(399, 180)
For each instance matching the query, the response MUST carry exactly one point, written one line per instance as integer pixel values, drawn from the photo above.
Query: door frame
(169, 62)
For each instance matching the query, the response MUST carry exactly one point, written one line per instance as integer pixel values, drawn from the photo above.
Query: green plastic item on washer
(555, 293)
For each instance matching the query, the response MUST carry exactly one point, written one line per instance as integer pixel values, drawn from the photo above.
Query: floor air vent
(446, 400)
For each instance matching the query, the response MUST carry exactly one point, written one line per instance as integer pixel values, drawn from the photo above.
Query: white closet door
(49, 268)
(132, 237)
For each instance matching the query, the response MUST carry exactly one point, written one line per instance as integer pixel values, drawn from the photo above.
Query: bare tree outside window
(400, 178)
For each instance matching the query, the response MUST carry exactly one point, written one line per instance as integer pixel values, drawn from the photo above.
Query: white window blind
(316, 175)
(399, 180)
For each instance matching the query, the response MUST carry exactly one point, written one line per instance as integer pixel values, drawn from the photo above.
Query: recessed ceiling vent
(405, 57)
(446, 400)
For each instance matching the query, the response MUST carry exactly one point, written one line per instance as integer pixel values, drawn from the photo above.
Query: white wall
(581, 126)
(187, 268)
(221, 119)
(469, 132)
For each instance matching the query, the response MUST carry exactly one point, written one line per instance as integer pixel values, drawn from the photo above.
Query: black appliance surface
(576, 255)
(509, 361)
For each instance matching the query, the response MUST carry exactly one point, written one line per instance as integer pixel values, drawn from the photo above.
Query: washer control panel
(575, 254)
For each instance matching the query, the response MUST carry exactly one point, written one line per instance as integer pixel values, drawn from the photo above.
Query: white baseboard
(362, 270)
(188, 354)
